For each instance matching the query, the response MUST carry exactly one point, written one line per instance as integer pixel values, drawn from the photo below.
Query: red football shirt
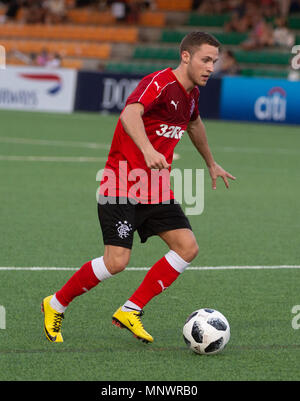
(168, 108)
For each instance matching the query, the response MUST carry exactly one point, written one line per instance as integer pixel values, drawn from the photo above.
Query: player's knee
(192, 252)
(189, 251)
(116, 263)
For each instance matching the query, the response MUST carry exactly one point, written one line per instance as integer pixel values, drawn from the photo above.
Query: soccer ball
(206, 331)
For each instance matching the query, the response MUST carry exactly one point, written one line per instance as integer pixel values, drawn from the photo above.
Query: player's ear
(185, 57)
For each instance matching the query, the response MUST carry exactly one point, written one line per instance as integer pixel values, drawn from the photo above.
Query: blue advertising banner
(103, 92)
(108, 92)
(263, 100)
(209, 99)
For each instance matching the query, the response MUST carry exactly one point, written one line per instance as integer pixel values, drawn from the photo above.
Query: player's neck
(181, 77)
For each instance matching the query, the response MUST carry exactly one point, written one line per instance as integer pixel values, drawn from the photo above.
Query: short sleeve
(147, 91)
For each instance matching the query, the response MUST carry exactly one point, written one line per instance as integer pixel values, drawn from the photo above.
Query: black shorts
(119, 221)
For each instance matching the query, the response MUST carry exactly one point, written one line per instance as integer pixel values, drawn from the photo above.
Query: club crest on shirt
(192, 107)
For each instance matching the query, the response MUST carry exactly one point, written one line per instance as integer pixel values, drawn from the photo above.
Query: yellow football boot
(52, 321)
(132, 322)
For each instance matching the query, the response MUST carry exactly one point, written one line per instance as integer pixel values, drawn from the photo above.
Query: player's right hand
(155, 160)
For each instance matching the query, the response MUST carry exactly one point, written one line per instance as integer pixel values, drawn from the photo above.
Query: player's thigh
(117, 225)
(116, 258)
(116, 217)
(182, 241)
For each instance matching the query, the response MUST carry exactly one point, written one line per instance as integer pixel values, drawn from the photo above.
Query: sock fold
(100, 269)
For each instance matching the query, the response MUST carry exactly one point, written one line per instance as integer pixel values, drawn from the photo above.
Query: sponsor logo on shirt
(175, 104)
(170, 131)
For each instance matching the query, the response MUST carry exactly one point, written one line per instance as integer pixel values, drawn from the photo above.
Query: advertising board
(37, 89)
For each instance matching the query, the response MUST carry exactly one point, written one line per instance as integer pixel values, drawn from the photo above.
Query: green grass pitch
(48, 217)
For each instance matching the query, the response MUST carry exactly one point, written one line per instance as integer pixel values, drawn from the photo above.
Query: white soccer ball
(206, 331)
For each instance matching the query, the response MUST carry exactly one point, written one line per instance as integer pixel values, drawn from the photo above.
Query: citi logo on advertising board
(54, 80)
(271, 107)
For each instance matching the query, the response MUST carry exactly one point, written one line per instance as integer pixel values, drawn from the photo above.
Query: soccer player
(160, 109)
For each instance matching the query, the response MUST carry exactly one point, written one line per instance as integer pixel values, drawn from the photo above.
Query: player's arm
(197, 134)
(131, 119)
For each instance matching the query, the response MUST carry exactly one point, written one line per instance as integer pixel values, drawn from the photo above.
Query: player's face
(200, 65)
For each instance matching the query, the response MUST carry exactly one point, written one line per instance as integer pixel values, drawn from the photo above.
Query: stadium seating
(150, 44)
(70, 32)
(226, 38)
(255, 57)
(64, 48)
(207, 20)
(263, 57)
(257, 72)
(195, 19)
(88, 16)
(154, 19)
(174, 5)
(294, 22)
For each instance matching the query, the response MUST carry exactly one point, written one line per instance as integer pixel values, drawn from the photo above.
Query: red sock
(82, 281)
(159, 277)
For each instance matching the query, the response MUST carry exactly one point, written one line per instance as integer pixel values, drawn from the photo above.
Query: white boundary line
(55, 159)
(48, 142)
(195, 268)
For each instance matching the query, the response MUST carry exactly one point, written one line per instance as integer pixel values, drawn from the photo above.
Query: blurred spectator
(84, 3)
(226, 65)
(269, 8)
(210, 6)
(12, 9)
(53, 60)
(134, 9)
(282, 35)
(242, 18)
(55, 11)
(238, 23)
(196, 4)
(42, 58)
(260, 36)
(284, 7)
(46, 59)
(119, 9)
(293, 6)
(34, 12)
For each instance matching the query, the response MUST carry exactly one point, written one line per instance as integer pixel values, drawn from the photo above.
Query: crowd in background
(55, 11)
(246, 14)
(268, 7)
(264, 22)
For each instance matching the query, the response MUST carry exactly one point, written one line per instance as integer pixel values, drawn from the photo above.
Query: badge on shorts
(123, 229)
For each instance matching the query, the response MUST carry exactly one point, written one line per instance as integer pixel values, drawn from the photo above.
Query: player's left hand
(216, 171)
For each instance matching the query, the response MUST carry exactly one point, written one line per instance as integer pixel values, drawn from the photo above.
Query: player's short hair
(195, 39)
